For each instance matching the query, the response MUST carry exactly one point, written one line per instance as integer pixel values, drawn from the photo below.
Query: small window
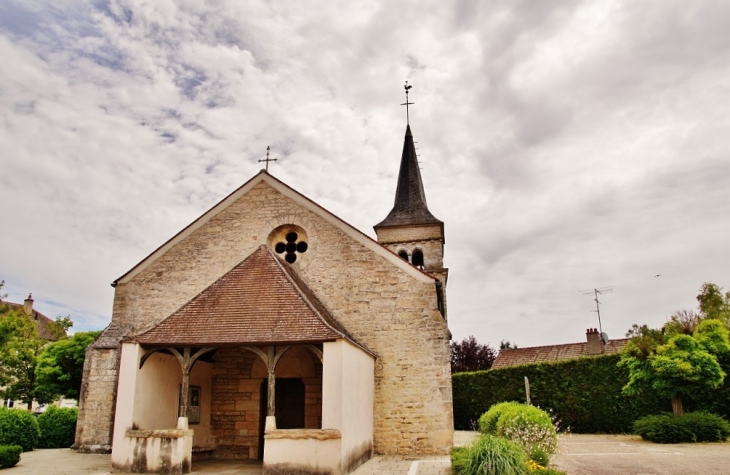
(292, 245)
(403, 255)
(417, 259)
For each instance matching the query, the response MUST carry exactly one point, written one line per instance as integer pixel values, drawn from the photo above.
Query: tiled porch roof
(260, 301)
(544, 354)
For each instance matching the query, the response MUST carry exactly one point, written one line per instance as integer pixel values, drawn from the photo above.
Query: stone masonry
(382, 306)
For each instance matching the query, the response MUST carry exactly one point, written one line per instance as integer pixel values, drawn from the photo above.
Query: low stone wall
(302, 452)
(155, 451)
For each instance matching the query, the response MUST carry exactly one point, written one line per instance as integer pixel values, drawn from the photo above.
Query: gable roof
(410, 206)
(262, 300)
(544, 354)
(281, 187)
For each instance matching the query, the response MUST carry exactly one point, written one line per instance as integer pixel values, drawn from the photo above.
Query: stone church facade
(356, 328)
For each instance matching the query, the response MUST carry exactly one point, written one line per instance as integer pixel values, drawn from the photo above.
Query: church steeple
(410, 230)
(410, 206)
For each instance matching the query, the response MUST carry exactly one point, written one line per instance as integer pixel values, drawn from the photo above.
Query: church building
(271, 329)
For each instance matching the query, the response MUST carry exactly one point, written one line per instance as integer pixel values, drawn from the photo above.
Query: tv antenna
(596, 293)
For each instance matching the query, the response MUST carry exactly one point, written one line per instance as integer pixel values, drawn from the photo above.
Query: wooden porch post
(270, 359)
(186, 363)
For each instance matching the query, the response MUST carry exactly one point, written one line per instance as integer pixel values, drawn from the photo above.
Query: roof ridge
(293, 276)
(265, 177)
(559, 344)
(259, 301)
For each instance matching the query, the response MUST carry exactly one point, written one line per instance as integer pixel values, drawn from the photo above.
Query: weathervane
(408, 119)
(267, 159)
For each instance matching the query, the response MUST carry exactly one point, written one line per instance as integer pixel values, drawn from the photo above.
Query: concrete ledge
(318, 434)
(160, 433)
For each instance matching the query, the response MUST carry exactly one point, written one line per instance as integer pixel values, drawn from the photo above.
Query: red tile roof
(543, 354)
(260, 301)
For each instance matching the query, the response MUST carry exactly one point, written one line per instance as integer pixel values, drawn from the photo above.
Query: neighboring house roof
(260, 301)
(410, 206)
(42, 322)
(264, 176)
(544, 354)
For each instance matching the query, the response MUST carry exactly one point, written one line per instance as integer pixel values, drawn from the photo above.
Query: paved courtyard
(580, 455)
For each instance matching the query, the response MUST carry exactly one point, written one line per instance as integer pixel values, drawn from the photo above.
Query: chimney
(28, 307)
(594, 345)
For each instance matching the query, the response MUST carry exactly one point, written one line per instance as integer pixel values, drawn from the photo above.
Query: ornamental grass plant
(489, 455)
(528, 426)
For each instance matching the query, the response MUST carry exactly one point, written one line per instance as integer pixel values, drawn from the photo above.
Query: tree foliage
(20, 350)
(60, 366)
(679, 367)
(470, 355)
(19, 356)
(714, 304)
(506, 345)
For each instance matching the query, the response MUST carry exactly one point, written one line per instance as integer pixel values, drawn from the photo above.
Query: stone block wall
(236, 401)
(428, 239)
(97, 400)
(384, 307)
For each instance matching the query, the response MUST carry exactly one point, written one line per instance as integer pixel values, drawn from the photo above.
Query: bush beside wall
(9, 455)
(689, 427)
(18, 427)
(584, 394)
(58, 427)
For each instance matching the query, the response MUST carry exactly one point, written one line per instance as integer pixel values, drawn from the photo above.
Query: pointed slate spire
(410, 206)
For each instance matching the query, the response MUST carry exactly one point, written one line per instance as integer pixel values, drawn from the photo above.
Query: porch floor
(245, 467)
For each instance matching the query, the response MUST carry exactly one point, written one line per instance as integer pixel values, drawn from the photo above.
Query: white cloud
(567, 145)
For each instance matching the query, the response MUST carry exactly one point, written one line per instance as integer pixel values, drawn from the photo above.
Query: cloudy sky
(567, 145)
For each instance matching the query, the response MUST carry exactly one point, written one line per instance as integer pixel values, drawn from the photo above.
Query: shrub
(18, 427)
(531, 428)
(689, 427)
(488, 420)
(9, 455)
(58, 427)
(489, 455)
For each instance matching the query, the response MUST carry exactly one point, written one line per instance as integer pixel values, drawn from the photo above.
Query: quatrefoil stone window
(292, 246)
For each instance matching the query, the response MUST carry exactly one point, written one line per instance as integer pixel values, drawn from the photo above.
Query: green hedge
(583, 395)
(9, 455)
(689, 427)
(58, 427)
(18, 427)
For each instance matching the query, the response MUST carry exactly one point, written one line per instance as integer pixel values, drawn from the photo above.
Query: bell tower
(410, 230)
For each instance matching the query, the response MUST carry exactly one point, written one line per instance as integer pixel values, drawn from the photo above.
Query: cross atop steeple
(267, 159)
(408, 119)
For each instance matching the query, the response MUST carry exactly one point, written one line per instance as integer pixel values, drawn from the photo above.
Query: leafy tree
(18, 357)
(683, 322)
(506, 345)
(20, 348)
(714, 303)
(643, 341)
(683, 365)
(60, 366)
(470, 355)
